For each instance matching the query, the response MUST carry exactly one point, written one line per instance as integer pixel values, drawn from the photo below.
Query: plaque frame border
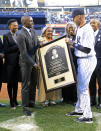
(71, 62)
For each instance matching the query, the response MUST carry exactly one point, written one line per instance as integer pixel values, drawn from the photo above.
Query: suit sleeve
(7, 48)
(1, 49)
(1, 46)
(21, 40)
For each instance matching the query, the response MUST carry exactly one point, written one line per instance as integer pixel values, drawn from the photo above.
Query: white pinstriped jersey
(85, 37)
(86, 66)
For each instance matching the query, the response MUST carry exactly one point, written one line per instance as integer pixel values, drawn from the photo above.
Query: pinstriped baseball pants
(86, 67)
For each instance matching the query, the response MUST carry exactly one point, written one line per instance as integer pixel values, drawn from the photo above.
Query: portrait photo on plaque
(56, 64)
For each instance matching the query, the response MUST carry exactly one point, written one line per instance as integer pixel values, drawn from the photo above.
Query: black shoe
(26, 112)
(98, 106)
(2, 105)
(32, 105)
(12, 105)
(93, 104)
(84, 120)
(73, 114)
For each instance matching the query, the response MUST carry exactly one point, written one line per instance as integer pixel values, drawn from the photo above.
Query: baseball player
(86, 60)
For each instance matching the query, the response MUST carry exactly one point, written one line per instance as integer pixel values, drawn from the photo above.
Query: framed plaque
(56, 64)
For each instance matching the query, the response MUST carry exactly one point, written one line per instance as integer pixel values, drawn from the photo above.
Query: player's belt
(84, 57)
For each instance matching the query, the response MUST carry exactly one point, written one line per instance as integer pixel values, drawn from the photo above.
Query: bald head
(27, 21)
(95, 24)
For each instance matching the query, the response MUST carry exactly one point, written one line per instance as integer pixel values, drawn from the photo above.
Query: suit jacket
(28, 45)
(10, 49)
(98, 44)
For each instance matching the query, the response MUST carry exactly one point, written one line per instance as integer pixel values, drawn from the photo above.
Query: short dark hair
(11, 21)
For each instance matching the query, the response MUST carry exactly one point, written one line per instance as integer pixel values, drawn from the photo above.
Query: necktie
(30, 32)
(14, 37)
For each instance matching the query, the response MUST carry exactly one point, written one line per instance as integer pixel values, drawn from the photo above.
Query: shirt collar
(12, 33)
(96, 32)
(26, 28)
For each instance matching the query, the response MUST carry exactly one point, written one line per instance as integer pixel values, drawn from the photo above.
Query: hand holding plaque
(36, 66)
(69, 42)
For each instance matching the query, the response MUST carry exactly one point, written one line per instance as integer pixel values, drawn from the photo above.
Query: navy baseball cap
(78, 11)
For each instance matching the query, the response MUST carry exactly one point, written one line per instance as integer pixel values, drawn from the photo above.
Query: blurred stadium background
(57, 13)
(52, 12)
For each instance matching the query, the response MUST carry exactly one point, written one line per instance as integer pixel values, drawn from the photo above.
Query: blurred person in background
(52, 96)
(1, 67)
(31, 3)
(97, 72)
(12, 61)
(16, 3)
(70, 94)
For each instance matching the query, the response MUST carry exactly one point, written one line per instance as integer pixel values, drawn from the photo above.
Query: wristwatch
(76, 44)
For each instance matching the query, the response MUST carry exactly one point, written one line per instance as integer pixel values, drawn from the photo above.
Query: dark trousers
(29, 81)
(69, 94)
(92, 85)
(12, 83)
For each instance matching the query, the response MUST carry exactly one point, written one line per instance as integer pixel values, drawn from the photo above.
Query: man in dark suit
(97, 72)
(28, 44)
(12, 61)
(1, 67)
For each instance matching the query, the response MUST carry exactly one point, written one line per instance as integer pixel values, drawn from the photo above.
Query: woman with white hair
(50, 97)
(70, 30)
(69, 94)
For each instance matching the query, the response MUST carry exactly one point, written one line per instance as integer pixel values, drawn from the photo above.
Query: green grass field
(50, 118)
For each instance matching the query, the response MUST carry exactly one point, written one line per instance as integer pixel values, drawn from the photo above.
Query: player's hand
(36, 66)
(67, 40)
